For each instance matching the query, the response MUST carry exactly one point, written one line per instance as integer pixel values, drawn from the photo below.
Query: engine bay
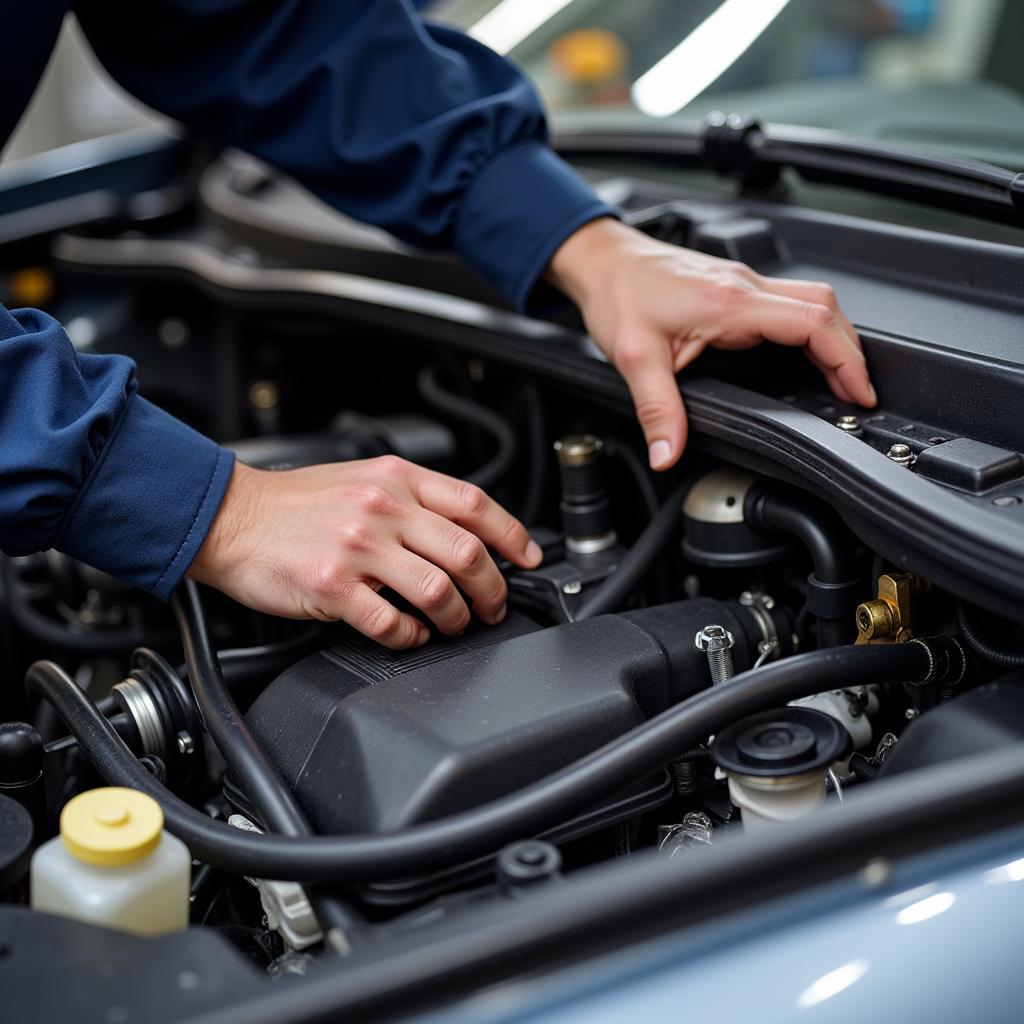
(817, 604)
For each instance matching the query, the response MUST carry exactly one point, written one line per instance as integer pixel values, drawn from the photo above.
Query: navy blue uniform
(408, 125)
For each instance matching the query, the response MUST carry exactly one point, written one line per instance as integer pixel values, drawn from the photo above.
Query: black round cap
(21, 753)
(525, 863)
(780, 742)
(15, 842)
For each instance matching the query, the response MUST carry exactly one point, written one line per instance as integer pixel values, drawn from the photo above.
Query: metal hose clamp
(136, 700)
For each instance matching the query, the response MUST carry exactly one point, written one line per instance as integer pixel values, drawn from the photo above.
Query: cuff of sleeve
(517, 210)
(146, 507)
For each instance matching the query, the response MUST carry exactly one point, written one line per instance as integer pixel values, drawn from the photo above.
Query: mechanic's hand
(653, 308)
(319, 543)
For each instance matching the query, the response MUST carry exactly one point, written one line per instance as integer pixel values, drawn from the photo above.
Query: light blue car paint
(939, 941)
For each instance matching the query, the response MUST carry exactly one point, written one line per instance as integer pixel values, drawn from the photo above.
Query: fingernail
(534, 555)
(422, 637)
(499, 616)
(873, 393)
(659, 453)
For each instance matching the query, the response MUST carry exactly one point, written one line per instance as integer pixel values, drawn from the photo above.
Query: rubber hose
(637, 470)
(825, 541)
(484, 829)
(238, 665)
(256, 776)
(53, 634)
(981, 647)
(642, 478)
(470, 412)
(637, 562)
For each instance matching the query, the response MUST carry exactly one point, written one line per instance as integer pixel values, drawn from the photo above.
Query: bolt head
(851, 424)
(186, 745)
(902, 454)
(713, 638)
(572, 587)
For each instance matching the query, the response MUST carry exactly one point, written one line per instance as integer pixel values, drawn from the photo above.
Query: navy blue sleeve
(89, 467)
(411, 126)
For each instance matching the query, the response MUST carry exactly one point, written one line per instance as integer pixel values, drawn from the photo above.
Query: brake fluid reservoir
(777, 762)
(114, 865)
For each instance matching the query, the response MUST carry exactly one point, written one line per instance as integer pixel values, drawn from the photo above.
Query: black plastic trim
(754, 154)
(913, 522)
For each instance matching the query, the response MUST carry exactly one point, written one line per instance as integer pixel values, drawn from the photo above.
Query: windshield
(942, 74)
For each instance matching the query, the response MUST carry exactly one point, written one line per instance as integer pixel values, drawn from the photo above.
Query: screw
(186, 745)
(851, 424)
(717, 643)
(1006, 501)
(572, 587)
(902, 454)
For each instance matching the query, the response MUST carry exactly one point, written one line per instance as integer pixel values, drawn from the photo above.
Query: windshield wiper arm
(755, 155)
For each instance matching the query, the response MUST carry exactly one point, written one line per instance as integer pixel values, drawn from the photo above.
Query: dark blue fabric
(383, 115)
(90, 467)
(411, 126)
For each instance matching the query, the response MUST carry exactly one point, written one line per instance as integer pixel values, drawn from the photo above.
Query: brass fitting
(886, 619)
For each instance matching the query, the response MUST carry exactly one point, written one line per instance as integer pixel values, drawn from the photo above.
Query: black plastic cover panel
(989, 717)
(373, 740)
(368, 754)
(970, 465)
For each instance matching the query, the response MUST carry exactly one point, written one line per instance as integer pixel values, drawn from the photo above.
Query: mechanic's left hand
(653, 308)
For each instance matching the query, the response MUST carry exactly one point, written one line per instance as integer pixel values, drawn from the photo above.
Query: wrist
(582, 264)
(225, 549)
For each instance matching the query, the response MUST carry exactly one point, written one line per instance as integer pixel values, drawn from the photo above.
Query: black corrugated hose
(982, 647)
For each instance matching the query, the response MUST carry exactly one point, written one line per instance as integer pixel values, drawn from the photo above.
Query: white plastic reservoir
(114, 865)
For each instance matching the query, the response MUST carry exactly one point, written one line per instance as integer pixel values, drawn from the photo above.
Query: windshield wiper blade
(755, 155)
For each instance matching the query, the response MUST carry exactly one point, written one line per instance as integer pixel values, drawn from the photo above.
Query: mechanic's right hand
(319, 543)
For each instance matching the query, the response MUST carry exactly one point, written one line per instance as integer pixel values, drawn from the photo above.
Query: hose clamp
(137, 701)
(760, 605)
(931, 674)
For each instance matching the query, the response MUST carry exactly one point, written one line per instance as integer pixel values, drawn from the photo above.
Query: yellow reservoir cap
(111, 826)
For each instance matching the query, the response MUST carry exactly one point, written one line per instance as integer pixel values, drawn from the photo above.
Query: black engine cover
(371, 740)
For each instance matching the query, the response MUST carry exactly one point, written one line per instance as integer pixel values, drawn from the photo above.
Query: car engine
(704, 658)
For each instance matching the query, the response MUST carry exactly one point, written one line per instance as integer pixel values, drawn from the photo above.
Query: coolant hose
(637, 562)
(448, 403)
(833, 588)
(256, 776)
(527, 812)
